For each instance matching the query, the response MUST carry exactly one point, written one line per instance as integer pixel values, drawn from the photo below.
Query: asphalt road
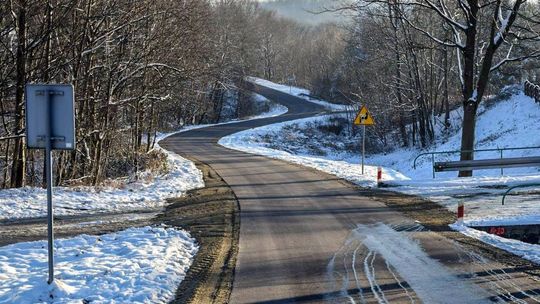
(300, 239)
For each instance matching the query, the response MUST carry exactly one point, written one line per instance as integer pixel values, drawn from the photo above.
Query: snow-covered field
(506, 123)
(137, 265)
(299, 92)
(30, 202)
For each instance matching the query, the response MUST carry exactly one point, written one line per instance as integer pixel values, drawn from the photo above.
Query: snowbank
(31, 202)
(298, 92)
(527, 251)
(138, 265)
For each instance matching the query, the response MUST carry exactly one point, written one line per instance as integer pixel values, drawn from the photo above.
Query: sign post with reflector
(364, 118)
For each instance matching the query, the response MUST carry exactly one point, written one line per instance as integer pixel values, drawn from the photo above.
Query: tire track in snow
(357, 286)
(344, 286)
(356, 277)
(427, 277)
(332, 273)
(369, 271)
(502, 283)
(399, 282)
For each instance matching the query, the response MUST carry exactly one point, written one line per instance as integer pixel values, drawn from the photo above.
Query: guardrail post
(433, 164)
(502, 170)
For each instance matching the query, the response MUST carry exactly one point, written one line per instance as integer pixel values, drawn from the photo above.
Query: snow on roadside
(481, 194)
(507, 123)
(527, 251)
(137, 265)
(250, 141)
(30, 202)
(298, 92)
(183, 175)
(482, 197)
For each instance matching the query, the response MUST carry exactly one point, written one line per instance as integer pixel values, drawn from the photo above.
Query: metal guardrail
(481, 164)
(532, 90)
(310, 96)
(500, 150)
(516, 187)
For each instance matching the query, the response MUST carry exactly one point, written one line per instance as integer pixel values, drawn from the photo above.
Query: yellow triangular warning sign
(364, 118)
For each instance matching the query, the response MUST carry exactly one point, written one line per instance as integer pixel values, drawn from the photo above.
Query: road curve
(300, 239)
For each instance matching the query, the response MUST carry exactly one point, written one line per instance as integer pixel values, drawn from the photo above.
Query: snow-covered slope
(514, 122)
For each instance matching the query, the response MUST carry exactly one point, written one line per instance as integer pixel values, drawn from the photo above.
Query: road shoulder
(211, 215)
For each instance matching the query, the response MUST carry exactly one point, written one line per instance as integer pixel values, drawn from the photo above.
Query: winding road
(309, 237)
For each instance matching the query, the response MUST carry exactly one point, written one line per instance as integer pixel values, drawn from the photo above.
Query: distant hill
(302, 10)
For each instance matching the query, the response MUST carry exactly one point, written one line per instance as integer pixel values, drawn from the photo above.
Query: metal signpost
(50, 125)
(364, 118)
(292, 80)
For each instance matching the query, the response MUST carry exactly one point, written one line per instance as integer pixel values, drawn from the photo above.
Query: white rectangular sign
(52, 103)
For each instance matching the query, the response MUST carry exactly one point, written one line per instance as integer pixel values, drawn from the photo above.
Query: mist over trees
(302, 11)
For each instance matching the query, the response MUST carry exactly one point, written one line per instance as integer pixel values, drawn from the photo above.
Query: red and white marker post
(379, 176)
(460, 212)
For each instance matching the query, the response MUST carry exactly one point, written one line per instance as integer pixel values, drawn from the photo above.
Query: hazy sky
(300, 10)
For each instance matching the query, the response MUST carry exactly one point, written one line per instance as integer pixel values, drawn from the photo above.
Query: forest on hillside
(412, 62)
(148, 66)
(137, 68)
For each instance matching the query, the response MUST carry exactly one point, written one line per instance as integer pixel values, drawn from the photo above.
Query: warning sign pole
(363, 147)
(363, 118)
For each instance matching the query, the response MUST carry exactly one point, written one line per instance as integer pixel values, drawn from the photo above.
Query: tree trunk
(18, 165)
(468, 134)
